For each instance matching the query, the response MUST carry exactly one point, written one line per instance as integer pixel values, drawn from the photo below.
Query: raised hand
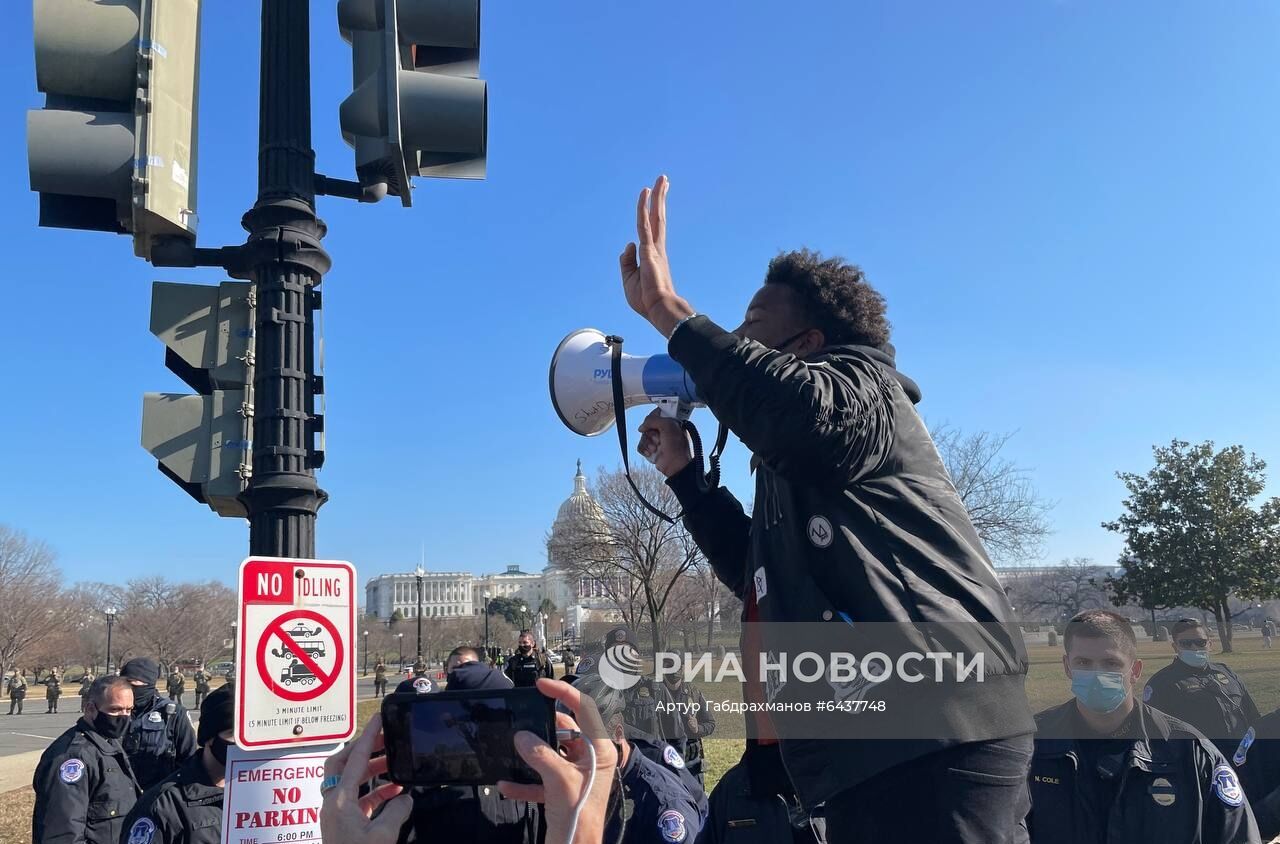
(646, 274)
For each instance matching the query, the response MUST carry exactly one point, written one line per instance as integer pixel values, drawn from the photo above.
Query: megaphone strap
(620, 421)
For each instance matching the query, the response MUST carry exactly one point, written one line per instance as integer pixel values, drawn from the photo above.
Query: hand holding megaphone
(664, 443)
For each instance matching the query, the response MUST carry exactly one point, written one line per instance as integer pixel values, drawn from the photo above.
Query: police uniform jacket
(53, 687)
(184, 807)
(525, 669)
(202, 682)
(1257, 758)
(159, 740)
(739, 817)
(1211, 699)
(689, 702)
(662, 808)
(1163, 781)
(84, 788)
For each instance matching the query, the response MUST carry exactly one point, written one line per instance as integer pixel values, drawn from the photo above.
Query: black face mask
(218, 748)
(110, 726)
(791, 339)
(143, 697)
(524, 649)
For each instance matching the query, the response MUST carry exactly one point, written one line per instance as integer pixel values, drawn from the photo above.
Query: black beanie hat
(217, 713)
(141, 668)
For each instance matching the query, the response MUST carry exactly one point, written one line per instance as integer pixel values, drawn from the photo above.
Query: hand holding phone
(575, 781)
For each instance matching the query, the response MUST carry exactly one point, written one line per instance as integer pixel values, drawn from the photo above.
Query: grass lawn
(15, 815)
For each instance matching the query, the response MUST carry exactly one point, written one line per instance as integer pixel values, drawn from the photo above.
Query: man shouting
(855, 520)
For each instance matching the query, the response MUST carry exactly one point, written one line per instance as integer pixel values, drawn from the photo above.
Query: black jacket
(159, 740)
(84, 788)
(688, 702)
(183, 808)
(1168, 784)
(1258, 762)
(739, 816)
(525, 669)
(1211, 699)
(856, 520)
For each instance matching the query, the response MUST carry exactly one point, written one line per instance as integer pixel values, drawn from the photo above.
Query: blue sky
(1069, 206)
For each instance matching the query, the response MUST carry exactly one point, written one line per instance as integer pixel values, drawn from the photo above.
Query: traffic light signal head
(114, 148)
(203, 442)
(418, 108)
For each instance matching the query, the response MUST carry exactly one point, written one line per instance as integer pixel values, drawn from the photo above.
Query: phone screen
(464, 737)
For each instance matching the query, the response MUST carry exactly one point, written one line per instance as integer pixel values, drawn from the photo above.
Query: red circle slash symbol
(302, 651)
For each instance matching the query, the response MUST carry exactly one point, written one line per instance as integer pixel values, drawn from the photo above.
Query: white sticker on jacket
(762, 585)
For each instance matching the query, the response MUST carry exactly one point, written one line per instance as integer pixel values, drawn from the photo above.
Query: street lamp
(487, 653)
(111, 620)
(561, 621)
(366, 653)
(400, 636)
(419, 574)
(524, 615)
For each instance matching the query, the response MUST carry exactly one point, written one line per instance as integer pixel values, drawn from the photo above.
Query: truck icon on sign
(297, 673)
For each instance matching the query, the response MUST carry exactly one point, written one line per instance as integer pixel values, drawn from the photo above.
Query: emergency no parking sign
(295, 653)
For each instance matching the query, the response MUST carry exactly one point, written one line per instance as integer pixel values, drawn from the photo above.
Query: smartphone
(463, 737)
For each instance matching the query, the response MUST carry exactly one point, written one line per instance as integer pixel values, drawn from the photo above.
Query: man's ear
(811, 343)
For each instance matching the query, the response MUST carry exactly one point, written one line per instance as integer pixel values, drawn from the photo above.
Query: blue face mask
(1196, 659)
(1100, 691)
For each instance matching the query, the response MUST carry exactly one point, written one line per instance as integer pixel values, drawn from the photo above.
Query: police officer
(160, 736)
(17, 690)
(755, 803)
(201, 679)
(380, 678)
(52, 691)
(86, 683)
(176, 685)
(1257, 758)
(1207, 695)
(186, 806)
(663, 806)
(689, 721)
(569, 660)
(527, 665)
(1107, 767)
(84, 784)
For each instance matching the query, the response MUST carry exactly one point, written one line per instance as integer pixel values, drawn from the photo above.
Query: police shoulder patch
(672, 757)
(1146, 693)
(422, 685)
(156, 717)
(586, 664)
(1242, 751)
(71, 771)
(142, 831)
(1227, 786)
(671, 825)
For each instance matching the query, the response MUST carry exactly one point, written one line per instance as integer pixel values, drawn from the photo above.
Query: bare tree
(168, 621)
(1006, 510)
(638, 557)
(32, 605)
(1073, 586)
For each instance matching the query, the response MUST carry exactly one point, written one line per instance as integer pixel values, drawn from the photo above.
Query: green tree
(509, 609)
(1193, 535)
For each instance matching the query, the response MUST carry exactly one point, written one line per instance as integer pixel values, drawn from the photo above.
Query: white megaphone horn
(581, 383)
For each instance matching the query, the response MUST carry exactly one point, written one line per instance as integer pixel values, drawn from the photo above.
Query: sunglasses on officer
(1193, 644)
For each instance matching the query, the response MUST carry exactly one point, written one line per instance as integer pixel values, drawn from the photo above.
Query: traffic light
(114, 148)
(204, 442)
(418, 108)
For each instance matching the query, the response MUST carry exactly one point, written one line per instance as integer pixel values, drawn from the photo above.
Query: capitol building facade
(454, 594)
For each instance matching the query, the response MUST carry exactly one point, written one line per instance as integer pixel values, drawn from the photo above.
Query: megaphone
(581, 382)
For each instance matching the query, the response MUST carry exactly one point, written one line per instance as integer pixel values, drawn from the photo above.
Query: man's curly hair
(835, 295)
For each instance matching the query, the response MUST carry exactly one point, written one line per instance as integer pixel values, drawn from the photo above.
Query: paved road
(33, 729)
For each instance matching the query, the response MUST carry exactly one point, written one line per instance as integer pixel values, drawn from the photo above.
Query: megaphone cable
(619, 414)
